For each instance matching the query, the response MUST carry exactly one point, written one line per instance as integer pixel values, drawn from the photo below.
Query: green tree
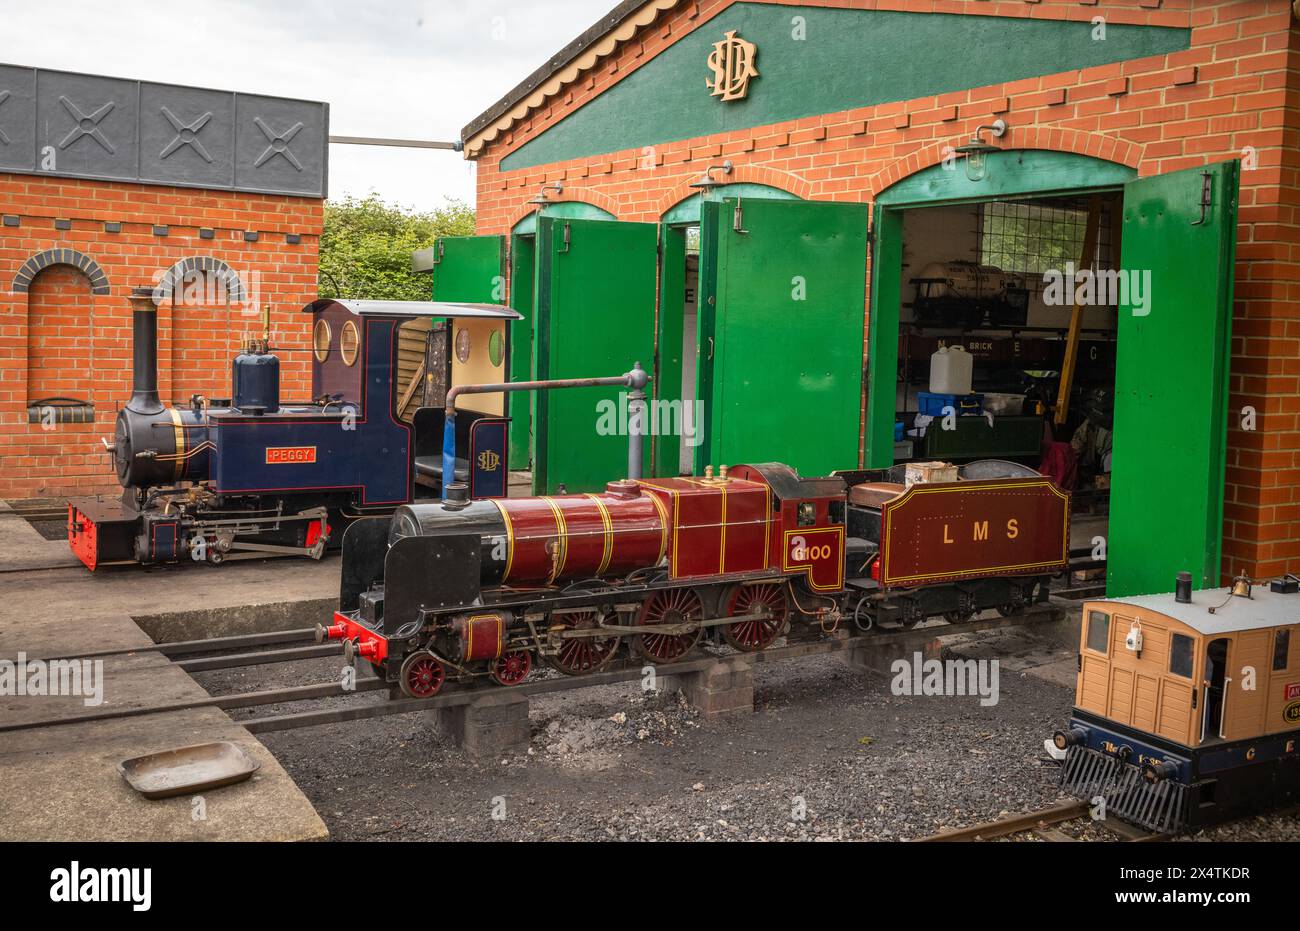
(366, 246)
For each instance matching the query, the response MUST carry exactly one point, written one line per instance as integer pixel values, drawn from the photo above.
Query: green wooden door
(470, 269)
(782, 356)
(522, 285)
(1171, 386)
(595, 315)
(670, 406)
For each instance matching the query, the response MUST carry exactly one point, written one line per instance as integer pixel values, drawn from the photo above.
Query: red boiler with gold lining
(556, 538)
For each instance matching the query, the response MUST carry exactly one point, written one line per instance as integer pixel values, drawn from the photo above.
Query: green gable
(847, 59)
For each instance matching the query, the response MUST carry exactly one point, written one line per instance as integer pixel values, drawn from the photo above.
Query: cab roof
(1232, 614)
(417, 309)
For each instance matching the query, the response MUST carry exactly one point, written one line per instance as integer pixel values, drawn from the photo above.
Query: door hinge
(568, 238)
(737, 218)
(1207, 196)
(438, 253)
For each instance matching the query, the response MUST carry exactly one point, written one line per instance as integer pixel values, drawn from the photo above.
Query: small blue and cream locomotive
(252, 476)
(1187, 710)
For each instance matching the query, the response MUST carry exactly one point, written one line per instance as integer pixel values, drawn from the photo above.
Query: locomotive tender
(252, 476)
(1187, 709)
(467, 589)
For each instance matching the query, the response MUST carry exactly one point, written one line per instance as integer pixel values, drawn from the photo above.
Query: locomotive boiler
(253, 476)
(649, 567)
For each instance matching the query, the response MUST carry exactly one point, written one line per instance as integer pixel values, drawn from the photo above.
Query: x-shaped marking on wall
(4, 95)
(279, 144)
(186, 134)
(87, 125)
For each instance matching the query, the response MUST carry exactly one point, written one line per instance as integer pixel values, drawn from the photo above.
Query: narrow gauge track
(1041, 825)
(395, 703)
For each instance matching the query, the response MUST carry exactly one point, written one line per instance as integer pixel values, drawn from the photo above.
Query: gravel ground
(829, 754)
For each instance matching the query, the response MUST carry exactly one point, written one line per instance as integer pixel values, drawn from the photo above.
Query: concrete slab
(183, 602)
(23, 548)
(62, 784)
(60, 781)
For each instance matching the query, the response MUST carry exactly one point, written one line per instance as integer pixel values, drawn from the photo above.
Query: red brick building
(81, 225)
(863, 102)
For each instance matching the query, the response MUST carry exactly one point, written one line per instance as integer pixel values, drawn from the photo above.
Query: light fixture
(707, 182)
(541, 199)
(977, 150)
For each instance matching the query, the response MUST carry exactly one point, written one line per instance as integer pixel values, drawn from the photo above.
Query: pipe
(144, 352)
(636, 379)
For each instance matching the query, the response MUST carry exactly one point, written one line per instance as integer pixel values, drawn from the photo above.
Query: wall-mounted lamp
(977, 150)
(541, 199)
(707, 182)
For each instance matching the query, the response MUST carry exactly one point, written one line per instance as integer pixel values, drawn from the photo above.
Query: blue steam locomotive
(253, 477)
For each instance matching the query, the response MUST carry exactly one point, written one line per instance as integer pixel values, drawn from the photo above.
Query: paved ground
(61, 782)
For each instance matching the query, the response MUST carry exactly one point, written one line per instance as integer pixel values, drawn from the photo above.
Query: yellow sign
(732, 63)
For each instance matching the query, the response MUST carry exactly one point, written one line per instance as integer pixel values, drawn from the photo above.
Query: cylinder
(144, 352)
(255, 382)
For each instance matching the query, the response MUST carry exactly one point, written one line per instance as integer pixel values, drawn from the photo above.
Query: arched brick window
(60, 350)
(208, 314)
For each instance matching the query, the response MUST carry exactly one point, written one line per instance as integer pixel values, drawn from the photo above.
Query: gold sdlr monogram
(732, 61)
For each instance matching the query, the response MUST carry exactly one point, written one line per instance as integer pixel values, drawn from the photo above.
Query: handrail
(636, 379)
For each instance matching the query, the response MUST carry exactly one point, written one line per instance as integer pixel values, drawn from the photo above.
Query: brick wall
(1236, 90)
(60, 339)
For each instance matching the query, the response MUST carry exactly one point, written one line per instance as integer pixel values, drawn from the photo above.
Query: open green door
(782, 300)
(667, 387)
(1171, 385)
(522, 268)
(595, 317)
(472, 269)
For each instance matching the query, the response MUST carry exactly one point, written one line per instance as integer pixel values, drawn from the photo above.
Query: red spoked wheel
(512, 668)
(421, 675)
(758, 634)
(670, 606)
(579, 655)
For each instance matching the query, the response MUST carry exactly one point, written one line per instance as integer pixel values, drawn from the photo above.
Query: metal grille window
(1033, 238)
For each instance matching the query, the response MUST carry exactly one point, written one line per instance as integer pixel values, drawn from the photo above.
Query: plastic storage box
(933, 404)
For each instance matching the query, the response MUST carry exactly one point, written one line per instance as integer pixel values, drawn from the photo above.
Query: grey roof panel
(1263, 609)
(102, 128)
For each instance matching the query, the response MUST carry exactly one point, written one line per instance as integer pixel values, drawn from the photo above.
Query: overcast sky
(417, 69)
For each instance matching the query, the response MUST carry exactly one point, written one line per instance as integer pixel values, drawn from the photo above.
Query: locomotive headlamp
(977, 150)
(707, 182)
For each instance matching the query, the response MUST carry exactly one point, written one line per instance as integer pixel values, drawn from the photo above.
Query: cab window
(1098, 631)
(1281, 649)
(1180, 655)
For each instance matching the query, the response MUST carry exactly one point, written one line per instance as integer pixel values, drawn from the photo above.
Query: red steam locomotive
(464, 589)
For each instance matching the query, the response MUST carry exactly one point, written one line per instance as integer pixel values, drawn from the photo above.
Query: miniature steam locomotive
(467, 589)
(1187, 710)
(254, 477)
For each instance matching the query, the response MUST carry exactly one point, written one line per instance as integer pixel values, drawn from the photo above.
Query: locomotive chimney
(144, 352)
(1183, 588)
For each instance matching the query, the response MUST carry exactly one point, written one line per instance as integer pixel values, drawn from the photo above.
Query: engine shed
(856, 234)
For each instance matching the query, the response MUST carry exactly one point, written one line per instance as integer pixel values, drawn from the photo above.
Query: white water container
(951, 370)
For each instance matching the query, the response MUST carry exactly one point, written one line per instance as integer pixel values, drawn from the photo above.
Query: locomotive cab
(1187, 705)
